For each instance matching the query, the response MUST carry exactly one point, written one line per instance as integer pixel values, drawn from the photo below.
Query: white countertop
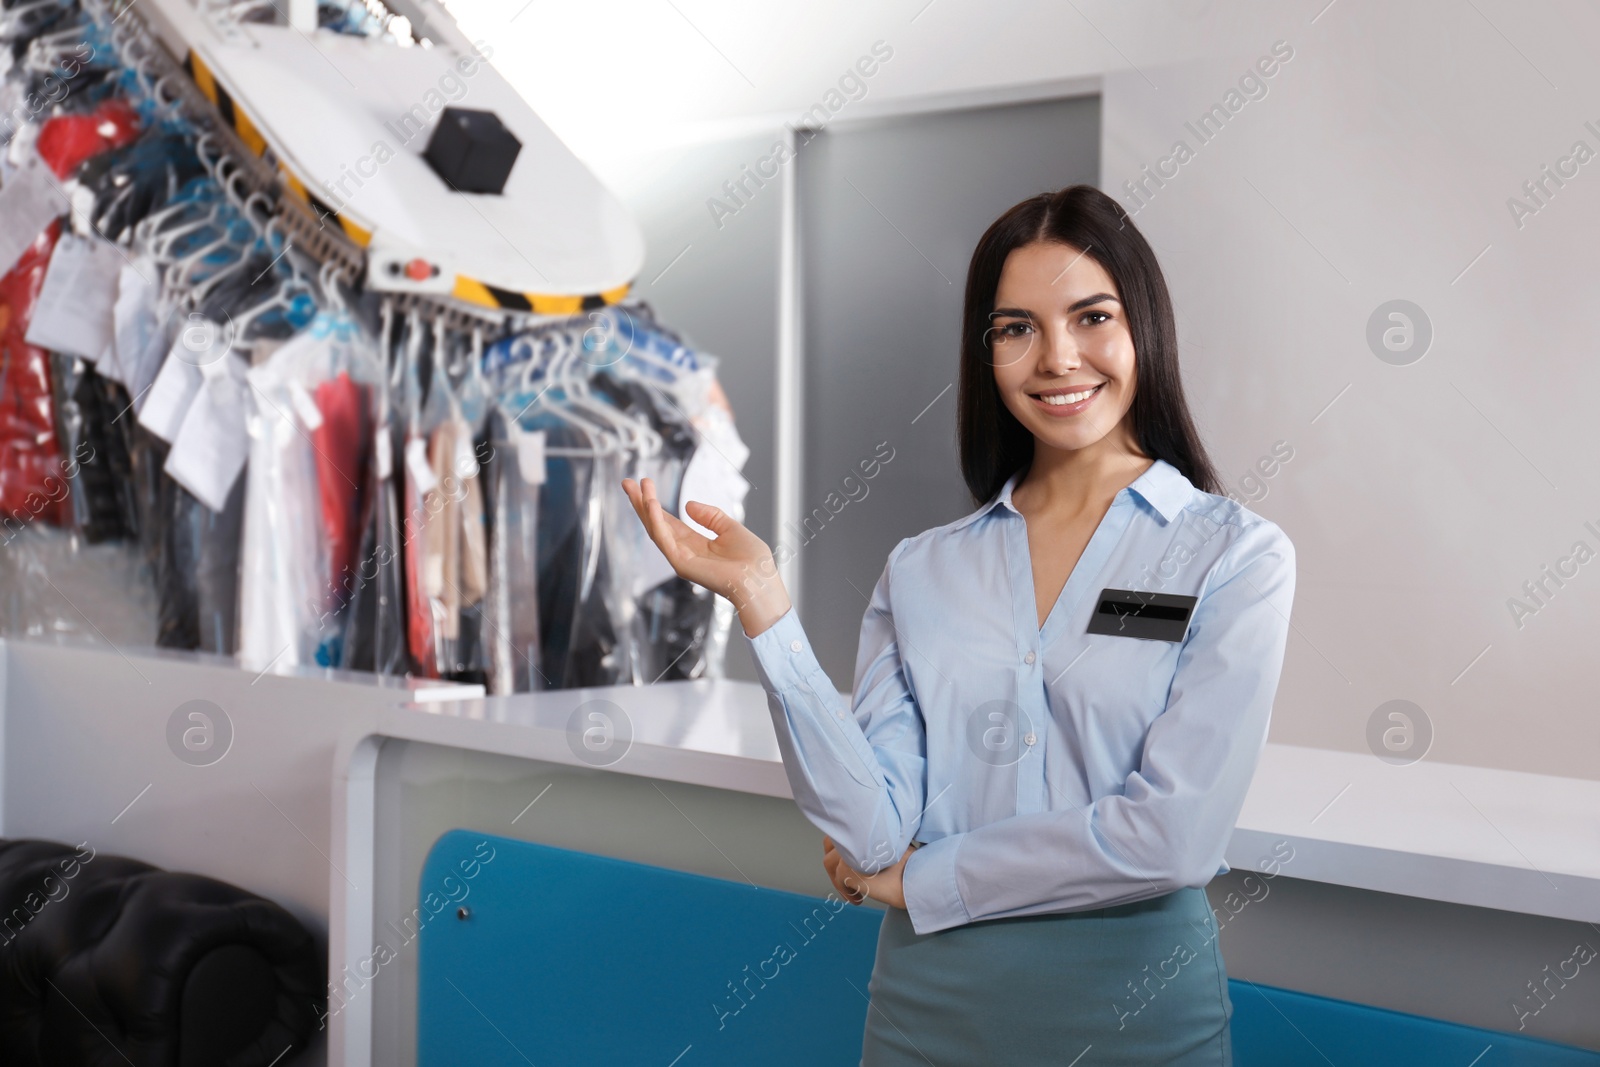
(1468, 835)
(1500, 839)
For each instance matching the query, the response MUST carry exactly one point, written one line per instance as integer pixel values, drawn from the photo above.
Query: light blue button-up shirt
(1043, 769)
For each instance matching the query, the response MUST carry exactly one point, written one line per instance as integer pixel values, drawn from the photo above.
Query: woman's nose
(1058, 354)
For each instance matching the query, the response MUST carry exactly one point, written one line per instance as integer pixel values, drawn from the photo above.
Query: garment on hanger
(67, 141)
(377, 638)
(299, 568)
(669, 618)
(97, 469)
(30, 463)
(342, 441)
(607, 396)
(515, 651)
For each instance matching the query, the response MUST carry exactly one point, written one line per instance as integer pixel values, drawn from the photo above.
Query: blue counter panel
(568, 959)
(536, 955)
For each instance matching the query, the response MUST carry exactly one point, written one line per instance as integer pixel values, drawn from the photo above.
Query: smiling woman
(1018, 309)
(1038, 793)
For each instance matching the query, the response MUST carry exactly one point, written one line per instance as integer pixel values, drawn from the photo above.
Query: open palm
(734, 562)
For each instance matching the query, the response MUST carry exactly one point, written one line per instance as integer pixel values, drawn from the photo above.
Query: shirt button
(1029, 658)
(1029, 739)
(795, 645)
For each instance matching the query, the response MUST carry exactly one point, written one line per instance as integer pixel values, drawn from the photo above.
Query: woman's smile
(1063, 402)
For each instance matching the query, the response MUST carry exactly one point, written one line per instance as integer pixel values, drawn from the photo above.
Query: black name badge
(1150, 616)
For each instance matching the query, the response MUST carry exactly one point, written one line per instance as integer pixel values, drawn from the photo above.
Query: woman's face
(1059, 342)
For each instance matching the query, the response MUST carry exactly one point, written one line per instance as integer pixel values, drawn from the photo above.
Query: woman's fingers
(849, 884)
(712, 518)
(636, 498)
(674, 537)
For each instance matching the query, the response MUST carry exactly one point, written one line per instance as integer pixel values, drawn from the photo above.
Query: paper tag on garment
(216, 370)
(417, 465)
(717, 430)
(304, 406)
(74, 312)
(530, 454)
(23, 147)
(81, 197)
(212, 443)
(136, 327)
(383, 453)
(29, 201)
(169, 398)
(711, 479)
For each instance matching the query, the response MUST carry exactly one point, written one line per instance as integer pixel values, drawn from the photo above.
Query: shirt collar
(1162, 486)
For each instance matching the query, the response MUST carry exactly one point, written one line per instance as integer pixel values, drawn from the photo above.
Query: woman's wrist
(761, 599)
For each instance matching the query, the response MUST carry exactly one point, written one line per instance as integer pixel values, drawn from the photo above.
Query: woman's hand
(888, 885)
(735, 563)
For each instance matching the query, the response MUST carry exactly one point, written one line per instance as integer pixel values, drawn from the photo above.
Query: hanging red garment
(341, 441)
(33, 479)
(419, 613)
(67, 140)
(33, 473)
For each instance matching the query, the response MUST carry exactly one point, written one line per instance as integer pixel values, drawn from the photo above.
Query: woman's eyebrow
(1095, 299)
(1022, 313)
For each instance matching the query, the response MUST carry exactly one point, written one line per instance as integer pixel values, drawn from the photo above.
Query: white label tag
(418, 467)
(383, 453)
(212, 443)
(81, 197)
(530, 454)
(137, 329)
(304, 406)
(28, 203)
(215, 369)
(717, 430)
(74, 313)
(169, 398)
(711, 479)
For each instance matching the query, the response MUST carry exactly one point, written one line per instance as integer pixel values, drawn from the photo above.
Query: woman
(1059, 699)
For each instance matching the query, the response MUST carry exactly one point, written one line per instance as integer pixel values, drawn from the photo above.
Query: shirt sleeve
(858, 772)
(1171, 823)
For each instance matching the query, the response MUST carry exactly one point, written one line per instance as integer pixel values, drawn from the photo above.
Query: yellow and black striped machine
(343, 121)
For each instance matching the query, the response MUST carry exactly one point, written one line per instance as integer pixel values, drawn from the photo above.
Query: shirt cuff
(783, 654)
(933, 900)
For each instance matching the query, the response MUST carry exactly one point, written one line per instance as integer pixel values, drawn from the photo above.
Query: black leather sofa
(109, 961)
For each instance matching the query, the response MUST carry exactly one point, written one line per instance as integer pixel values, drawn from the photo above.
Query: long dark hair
(993, 444)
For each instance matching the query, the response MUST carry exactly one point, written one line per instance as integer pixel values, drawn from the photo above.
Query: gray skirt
(1136, 984)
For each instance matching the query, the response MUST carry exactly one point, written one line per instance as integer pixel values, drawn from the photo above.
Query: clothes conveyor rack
(321, 405)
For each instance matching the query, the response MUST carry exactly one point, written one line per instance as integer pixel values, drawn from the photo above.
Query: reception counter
(332, 787)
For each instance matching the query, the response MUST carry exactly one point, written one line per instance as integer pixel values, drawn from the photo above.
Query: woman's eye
(1015, 329)
(1103, 317)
